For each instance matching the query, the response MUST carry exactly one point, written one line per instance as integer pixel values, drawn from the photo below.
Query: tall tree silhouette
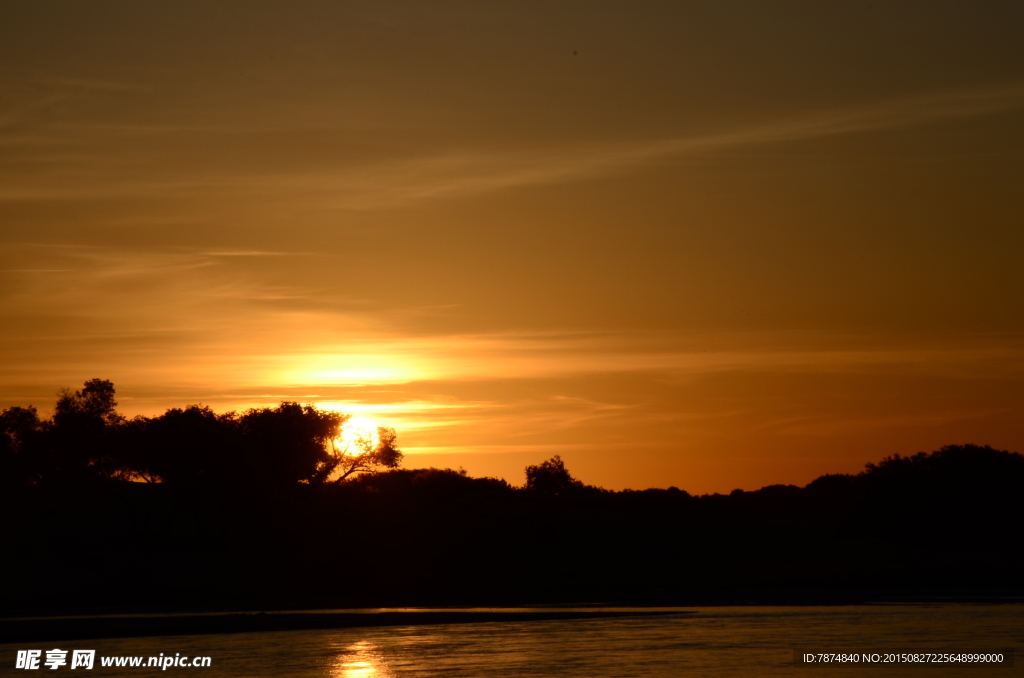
(80, 440)
(551, 478)
(289, 443)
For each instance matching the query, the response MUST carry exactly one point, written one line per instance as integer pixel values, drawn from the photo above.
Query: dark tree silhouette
(263, 447)
(245, 507)
(551, 478)
(20, 430)
(93, 406)
(80, 441)
(190, 447)
(951, 463)
(289, 443)
(269, 447)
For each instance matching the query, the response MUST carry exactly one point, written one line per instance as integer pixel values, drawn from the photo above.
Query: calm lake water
(723, 641)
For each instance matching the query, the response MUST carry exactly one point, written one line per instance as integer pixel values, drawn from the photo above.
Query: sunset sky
(710, 245)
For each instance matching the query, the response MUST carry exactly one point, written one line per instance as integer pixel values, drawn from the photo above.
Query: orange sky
(709, 246)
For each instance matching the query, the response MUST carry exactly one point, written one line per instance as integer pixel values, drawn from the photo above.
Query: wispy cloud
(453, 172)
(26, 112)
(92, 84)
(471, 172)
(839, 423)
(258, 253)
(193, 317)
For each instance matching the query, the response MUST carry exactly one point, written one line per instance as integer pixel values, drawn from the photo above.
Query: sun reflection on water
(360, 660)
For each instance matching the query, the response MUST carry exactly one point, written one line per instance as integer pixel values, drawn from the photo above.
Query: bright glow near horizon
(352, 370)
(709, 247)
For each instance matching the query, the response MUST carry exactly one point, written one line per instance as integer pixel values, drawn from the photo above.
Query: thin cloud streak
(480, 172)
(455, 173)
(836, 424)
(180, 318)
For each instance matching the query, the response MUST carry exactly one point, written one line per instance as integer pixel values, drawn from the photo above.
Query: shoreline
(39, 629)
(139, 625)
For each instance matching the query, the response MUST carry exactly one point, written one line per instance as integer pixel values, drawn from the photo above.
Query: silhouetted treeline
(87, 442)
(241, 511)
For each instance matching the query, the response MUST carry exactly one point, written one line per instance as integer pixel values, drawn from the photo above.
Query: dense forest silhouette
(262, 509)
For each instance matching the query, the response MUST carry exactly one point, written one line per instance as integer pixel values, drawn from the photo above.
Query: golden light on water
(358, 668)
(360, 660)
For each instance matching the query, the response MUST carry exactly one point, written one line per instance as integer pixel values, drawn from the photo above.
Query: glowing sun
(358, 435)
